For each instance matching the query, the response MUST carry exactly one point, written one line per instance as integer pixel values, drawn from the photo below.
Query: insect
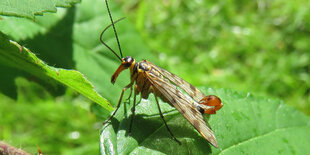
(148, 78)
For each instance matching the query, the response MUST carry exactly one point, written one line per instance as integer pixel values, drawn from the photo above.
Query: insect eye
(128, 59)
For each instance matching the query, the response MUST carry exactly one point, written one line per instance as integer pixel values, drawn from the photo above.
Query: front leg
(119, 102)
(130, 93)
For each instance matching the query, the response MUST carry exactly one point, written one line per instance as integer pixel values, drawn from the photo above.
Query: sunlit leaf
(245, 124)
(14, 55)
(28, 9)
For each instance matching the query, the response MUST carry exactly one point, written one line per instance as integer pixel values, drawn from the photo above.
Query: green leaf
(28, 9)
(19, 57)
(22, 28)
(245, 124)
(74, 43)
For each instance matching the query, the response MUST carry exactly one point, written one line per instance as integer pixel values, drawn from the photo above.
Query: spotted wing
(182, 104)
(187, 87)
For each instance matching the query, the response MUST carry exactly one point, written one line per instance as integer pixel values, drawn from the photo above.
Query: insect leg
(119, 102)
(130, 93)
(133, 110)
(162, 116)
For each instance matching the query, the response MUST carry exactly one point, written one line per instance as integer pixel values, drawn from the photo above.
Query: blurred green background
(251, 46)
(259, 46)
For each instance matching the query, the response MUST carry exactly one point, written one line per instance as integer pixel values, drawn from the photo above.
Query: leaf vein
(259, 136)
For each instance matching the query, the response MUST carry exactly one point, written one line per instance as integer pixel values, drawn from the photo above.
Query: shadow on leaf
(150, 133)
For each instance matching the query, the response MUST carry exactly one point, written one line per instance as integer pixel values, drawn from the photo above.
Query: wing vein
(182, 104)
(187, 87)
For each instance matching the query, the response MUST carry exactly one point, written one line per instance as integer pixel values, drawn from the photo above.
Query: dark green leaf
(22, 28)
(247, 124)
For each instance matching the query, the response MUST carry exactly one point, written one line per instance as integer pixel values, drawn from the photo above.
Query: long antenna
(119, 45)
(101, 40)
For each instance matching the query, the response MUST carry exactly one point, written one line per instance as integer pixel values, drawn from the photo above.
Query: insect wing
(182, 104)
(187, 87)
